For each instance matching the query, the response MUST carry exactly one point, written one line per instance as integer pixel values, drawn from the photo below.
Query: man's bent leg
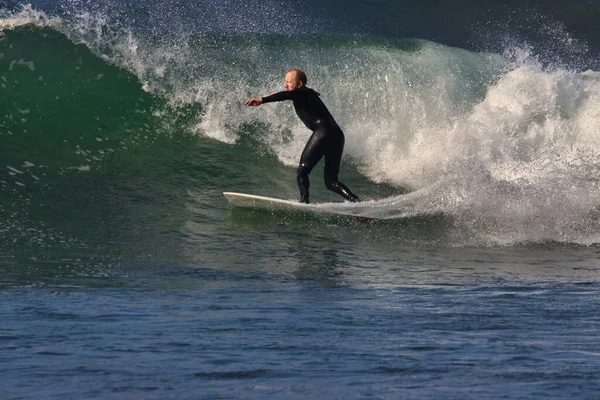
(343, 190)
(338, 187)
(333, 160)
(312, 153)
(303, 182)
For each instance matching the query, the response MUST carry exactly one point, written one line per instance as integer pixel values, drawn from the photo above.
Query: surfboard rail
(253, 201)
(263, 202)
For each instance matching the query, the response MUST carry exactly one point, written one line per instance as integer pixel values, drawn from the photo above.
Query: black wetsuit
(327, 140)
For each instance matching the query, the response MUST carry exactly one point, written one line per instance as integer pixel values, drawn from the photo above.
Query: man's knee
(302, 171)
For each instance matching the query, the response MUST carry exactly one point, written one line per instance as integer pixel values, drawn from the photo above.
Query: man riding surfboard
(327, 139)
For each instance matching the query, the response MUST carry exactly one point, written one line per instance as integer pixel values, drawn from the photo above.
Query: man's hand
(256, 101)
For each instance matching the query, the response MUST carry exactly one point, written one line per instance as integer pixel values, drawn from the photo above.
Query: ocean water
(471, 128)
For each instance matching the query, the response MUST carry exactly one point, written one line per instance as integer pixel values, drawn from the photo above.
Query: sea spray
(501, 142)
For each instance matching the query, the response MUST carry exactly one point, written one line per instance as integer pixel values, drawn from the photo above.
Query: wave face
(500, 136)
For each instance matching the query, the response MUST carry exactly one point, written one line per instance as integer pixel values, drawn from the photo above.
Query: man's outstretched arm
(275, 96)
(255, 101)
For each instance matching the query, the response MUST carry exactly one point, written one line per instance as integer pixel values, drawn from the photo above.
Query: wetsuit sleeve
(279, 96)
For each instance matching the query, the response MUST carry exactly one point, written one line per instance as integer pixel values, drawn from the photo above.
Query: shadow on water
(320, 265)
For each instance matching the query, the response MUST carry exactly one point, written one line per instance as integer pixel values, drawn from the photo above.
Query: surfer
(327, 139)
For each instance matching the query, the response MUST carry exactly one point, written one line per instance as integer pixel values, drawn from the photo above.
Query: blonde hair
(300, 75)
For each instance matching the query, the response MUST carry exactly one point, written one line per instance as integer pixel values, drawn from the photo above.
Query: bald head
(294, 79)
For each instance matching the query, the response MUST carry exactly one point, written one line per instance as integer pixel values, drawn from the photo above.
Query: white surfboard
(273, 204)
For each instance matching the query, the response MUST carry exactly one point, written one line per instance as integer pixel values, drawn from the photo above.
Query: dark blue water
(471, 128)
(427, 324)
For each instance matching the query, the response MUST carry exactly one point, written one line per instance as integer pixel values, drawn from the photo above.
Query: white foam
(14, 170)
(522, 164)
(28, 16)
(28, 64)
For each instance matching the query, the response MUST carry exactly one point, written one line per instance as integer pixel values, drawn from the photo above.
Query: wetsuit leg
(333, 160)
(312, 153)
